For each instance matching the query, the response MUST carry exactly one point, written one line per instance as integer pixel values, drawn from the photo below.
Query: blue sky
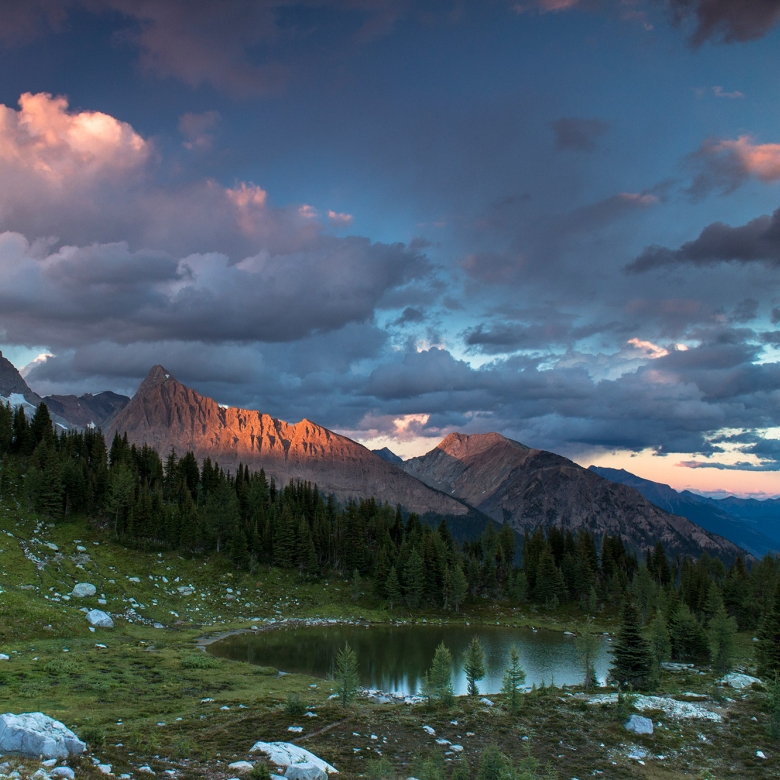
(403, 219)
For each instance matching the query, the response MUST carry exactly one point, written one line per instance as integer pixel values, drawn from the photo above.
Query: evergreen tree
(587, 643)
(632, 663)
(514, 678)
(546, 589)
(459, 586)
(393, 587)
(722, 630)
(6, 428)
(438, 681)
(494, 765)
(462, 770)
(660, 641)
(768, 645)
(474, 665)
(414, 579)
(689, 639)
(346, 674)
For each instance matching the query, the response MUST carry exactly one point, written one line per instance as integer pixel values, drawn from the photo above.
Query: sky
(555, 219)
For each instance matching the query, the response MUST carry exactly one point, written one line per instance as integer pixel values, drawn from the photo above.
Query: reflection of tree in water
(395, 658)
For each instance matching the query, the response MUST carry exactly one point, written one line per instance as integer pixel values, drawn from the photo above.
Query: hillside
(528, 488)
(13, 387)
(711, 514)
(87, 410)
(165, 414)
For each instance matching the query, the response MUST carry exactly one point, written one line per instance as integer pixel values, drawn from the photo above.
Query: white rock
(760, 754)
(295, 729)
(52, 546)
(486, 702)
(185, 590)
(134, 579)
(100, 619)
(305, 771)
(457, 748)
(146, 768)
(429, 730)
(4, 657)
(105, 769)
(738, 681)
(35, 734)
(63, 771)
(84, 589)
(49, 762)
(639, 725)
(241, 767)
(284, 754)
(81, 548)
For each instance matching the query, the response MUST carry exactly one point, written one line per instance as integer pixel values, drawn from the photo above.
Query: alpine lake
(394, 658)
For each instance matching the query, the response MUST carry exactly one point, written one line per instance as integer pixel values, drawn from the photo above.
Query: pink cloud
(546, 6)
(196, 130)
(339, 218)
(46, 140)
(759, 160)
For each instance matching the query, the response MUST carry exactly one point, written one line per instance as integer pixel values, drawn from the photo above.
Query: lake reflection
(395, 658)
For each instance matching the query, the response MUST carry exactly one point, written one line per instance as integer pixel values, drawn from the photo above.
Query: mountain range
(753, 525)
(466, 479)
(528, 488)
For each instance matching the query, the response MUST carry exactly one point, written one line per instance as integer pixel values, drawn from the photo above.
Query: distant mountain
(388, 455)
(13, 388)
(164, 414)
(528, 488)
(757, 535)
(87, 410)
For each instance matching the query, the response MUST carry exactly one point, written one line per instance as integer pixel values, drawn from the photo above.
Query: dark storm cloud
(577, 134)
(730, 21)
(77, 295)
(756, 241)
(410, 316)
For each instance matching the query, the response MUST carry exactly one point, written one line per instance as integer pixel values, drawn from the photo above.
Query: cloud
(196, 129)
(756, 241)
(81, 294)
(726, 164)
(49, 143)
(339, 219)
(545, 6)
(726, 20)
(576, 134)
(242, 47)
(410, 316)
(720, 92)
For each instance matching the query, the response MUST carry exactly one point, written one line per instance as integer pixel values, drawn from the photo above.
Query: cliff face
(165, 414)
(12, 383)
(528, 488)
(87, 409)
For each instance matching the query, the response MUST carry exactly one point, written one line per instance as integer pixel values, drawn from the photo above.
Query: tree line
(176, 503)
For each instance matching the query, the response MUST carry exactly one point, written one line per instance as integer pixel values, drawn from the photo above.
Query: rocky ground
(149, 701)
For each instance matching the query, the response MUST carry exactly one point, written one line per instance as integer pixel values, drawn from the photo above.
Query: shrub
(94, 736)
(61, 666)
(199, 661)
(294, 707)
(260, 771)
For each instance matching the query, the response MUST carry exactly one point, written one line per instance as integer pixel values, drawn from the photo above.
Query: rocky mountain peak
(166, 414)
(461, 445)
(159, 375)
(12, 383)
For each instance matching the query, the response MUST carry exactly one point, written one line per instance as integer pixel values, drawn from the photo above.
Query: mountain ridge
(528, 488)
(711, 514)
(166, 414)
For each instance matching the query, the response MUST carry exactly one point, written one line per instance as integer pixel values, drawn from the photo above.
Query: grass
(140, 695)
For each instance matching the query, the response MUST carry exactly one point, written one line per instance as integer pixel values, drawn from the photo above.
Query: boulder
(83, 590)
(739, 681)
(285, 754)
(639, 725)
(99, 619)
(305, 771)
(35, 734)
(241, 767)
(64, 772)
